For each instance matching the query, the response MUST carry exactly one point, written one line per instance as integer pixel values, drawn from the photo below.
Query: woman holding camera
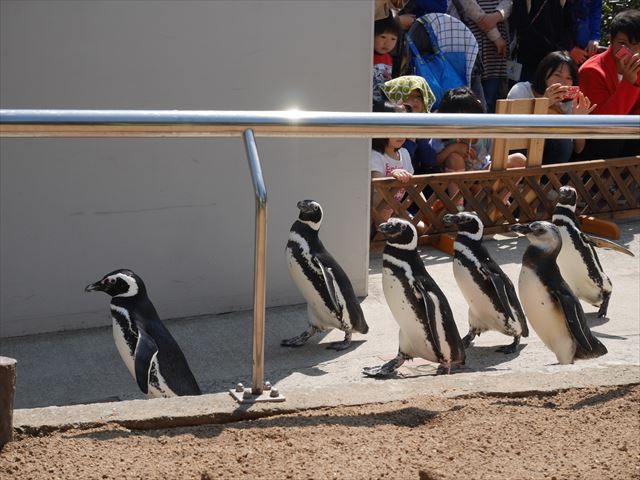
(556, 78)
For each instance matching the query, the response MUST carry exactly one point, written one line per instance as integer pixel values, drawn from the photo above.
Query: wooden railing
(606, 189)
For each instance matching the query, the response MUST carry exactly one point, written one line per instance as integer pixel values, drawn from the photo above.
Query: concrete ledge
(220, 408)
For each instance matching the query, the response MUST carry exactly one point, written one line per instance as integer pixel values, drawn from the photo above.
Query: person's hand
(629, 67)
(501, 46)
(463, 149)
(405, 21)
(579, 55)
(489, 21)
(401, 175)
(582, 105)
(555, 92)
(592, 47)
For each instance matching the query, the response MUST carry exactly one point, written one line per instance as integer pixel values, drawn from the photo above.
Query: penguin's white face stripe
(472, 236)
(400, 264)
(405, 246)
(133, 285)
(468, 254)
(313, 225)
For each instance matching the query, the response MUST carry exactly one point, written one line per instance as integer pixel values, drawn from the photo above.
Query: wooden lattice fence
(606, 189)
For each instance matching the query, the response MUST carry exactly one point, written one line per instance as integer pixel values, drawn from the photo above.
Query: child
(390, 159)
(459, 155)
(386, 33)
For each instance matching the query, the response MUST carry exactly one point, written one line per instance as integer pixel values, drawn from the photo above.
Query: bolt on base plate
(244, 395)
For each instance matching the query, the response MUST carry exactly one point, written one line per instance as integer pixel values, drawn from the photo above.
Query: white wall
(180, 212)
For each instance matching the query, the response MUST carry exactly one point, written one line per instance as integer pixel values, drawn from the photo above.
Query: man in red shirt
(612, 81)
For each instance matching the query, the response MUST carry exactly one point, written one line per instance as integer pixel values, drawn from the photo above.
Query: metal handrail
(190, 123)
(293, 123)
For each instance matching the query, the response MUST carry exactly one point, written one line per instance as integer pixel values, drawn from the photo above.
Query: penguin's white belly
(482, 314)
(574, 271)
(413, 340)
(546, 316)
(323, 318)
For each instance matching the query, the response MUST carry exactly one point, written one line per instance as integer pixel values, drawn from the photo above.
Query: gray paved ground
(84, 367)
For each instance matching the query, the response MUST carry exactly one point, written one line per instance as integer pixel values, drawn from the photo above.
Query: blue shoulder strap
(432, 35)
(414, 49)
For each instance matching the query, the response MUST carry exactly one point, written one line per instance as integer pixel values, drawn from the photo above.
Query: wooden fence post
(7, 396)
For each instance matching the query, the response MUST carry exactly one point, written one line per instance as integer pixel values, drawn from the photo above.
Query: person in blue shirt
(587, 16)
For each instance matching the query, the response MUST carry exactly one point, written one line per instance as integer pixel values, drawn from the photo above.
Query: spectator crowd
(461, 56)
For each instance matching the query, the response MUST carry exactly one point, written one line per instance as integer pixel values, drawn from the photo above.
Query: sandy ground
(589, 433)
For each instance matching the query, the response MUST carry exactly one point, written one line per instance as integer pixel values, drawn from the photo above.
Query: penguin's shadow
(308, 359)
(606, 335)
(408, 417)
(313, 352)
(591, 401)
(594, 321)
(484, 358)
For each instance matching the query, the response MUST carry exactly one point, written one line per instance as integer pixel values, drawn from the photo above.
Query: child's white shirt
(385, 164)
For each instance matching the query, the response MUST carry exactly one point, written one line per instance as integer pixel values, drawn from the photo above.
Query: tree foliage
(609, 10)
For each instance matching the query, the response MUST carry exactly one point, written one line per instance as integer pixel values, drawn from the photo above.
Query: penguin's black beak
(95, 287)
(450, 219)
(521, 228)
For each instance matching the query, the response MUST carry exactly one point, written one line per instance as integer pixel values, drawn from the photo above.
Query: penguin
(427, 327)
(552, 308)
(150, 353)
(578, 260)
(493, 303)
(331, 301)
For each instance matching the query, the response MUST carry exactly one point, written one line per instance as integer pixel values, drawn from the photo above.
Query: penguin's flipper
(146, 348)
(330, 282)
(588, 345)
(499, 286)
(506, 294)
(607, 244)
(430, 311)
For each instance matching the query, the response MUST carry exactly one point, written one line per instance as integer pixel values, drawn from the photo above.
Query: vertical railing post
(259, 283)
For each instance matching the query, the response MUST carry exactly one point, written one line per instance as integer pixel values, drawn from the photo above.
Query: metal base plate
(265, 396)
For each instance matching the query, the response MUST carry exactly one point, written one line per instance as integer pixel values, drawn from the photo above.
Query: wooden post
(7, 396)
